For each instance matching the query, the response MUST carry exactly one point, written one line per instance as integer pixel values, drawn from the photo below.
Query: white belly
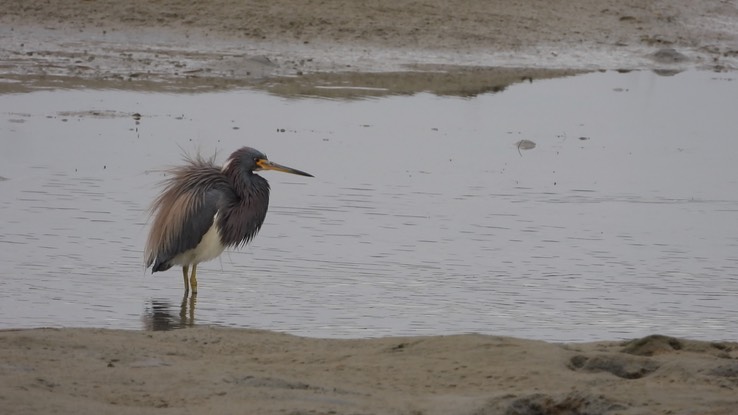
(210, 247)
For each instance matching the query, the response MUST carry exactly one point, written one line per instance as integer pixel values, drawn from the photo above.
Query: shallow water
(426, 216)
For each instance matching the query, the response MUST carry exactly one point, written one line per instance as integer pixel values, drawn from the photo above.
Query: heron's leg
(185, 271)
(193, 279)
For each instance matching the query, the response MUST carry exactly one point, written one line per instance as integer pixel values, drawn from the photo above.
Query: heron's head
(248, 160)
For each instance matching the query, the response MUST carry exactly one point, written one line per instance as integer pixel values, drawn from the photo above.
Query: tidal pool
(596, 207)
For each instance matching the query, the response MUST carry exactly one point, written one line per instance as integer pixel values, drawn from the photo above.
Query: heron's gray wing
(193, 216)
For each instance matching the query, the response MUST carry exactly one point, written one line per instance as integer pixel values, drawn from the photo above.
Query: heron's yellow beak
(265, 164)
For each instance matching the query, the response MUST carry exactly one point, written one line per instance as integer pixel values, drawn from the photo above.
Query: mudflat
(225, 43)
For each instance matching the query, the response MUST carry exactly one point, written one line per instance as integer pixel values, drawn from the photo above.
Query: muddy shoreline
(190, 46)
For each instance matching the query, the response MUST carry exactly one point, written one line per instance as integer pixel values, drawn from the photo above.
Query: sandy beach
(222, 371)
(407, 46)
(287, 47)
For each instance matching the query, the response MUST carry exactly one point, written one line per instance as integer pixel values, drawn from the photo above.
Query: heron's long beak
(268, 165)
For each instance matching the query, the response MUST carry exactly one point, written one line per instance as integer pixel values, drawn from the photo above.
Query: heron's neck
(249, 185)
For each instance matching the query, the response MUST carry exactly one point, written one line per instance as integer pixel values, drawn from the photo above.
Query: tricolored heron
(205, 208)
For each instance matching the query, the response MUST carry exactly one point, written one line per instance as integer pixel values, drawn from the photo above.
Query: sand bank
(221, 371)
(179, 44)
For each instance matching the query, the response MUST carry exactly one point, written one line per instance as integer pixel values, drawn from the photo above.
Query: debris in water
(525, 145)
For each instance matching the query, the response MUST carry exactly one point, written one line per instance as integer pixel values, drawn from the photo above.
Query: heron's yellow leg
(185, 271)
(193, 279)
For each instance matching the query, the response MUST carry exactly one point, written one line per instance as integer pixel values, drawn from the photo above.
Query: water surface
(426, 215)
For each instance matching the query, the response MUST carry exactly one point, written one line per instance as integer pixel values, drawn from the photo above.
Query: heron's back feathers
(184, 211)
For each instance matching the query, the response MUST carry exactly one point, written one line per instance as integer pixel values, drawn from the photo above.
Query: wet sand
(445, 47)
(220, 371)
(180, 45)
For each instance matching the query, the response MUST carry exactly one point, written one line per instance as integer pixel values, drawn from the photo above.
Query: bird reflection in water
(160, 315)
